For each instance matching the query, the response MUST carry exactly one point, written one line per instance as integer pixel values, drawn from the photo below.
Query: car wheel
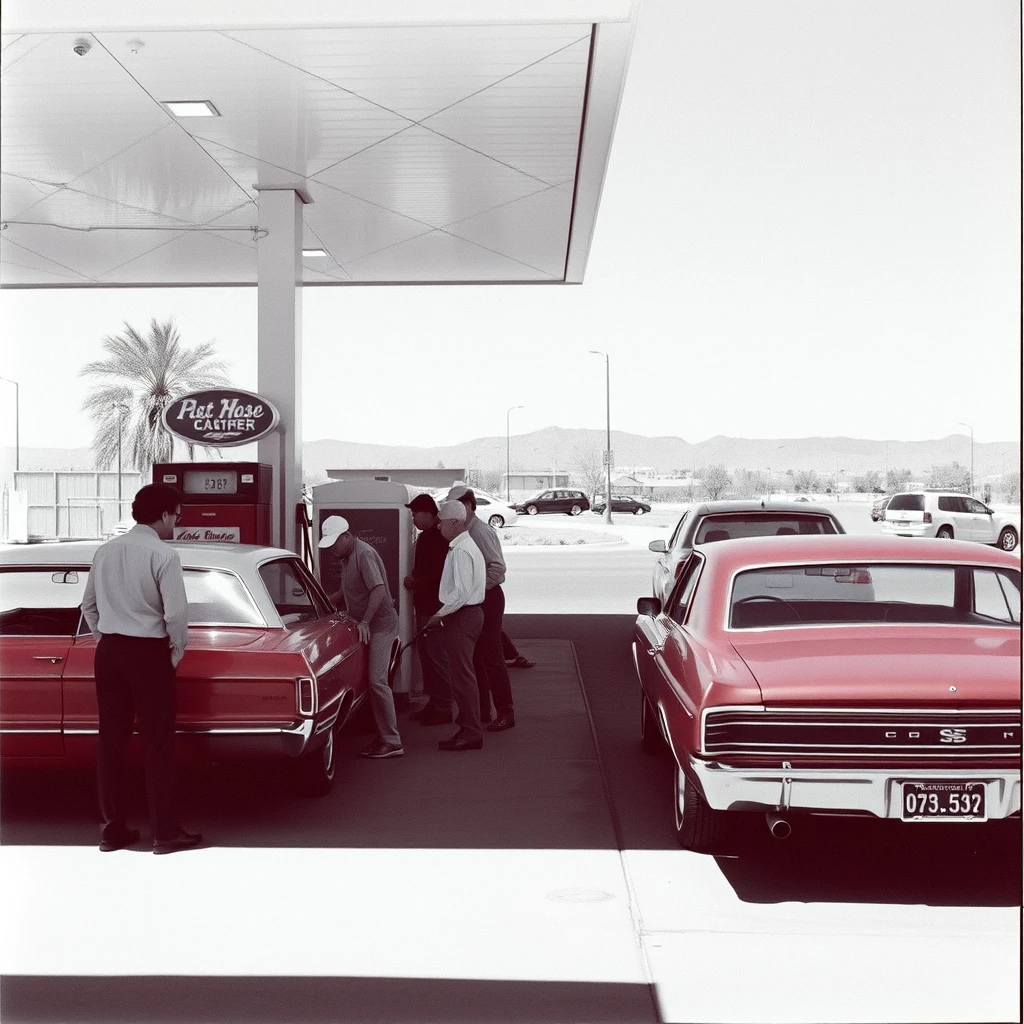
(496, 521)
(1008, 539)
(532, 509)
(575, 510)
(944, 533)
(638, 511)
(698, 827)
(313, 773)
(651, 739)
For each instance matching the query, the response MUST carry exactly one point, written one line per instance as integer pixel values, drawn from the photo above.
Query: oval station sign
(220, 417)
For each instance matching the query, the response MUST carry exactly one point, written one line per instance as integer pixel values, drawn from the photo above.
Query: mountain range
(560, 448)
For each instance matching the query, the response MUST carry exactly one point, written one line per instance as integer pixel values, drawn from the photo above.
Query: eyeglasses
(177, 516)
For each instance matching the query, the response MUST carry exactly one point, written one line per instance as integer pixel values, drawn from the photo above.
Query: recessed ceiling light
(306, 253)
(191, 108)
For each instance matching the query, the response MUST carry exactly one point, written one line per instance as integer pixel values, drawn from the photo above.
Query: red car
(271, 668)
(837, 675)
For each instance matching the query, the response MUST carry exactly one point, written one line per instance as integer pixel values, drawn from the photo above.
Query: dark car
(879, 507)
(729, 520)
(622, 503)
(567, 500)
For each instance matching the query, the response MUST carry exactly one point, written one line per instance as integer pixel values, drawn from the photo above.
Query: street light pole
(508, 453)
(17, 421)
(971, 429)
(608, 434)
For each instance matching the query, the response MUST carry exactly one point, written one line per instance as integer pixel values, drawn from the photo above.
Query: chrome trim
(30, 732)
(930, 563)
(840, 791)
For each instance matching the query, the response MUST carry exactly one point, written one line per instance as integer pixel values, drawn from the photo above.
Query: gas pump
(221, 501)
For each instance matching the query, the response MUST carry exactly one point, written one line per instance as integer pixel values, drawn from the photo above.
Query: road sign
(608, 459)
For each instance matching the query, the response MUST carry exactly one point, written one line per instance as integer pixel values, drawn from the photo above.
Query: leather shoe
(182, 841)
(501, 723)
(456, 742)
(118, 839)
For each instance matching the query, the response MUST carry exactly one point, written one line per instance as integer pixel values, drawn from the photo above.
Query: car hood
(936, 665)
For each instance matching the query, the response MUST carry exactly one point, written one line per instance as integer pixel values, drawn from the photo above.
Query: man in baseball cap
(428, 560)
(365, 595)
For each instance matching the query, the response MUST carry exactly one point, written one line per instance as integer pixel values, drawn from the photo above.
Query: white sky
(810, 226)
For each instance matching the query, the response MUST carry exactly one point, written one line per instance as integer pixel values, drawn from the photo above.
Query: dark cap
(423, 503)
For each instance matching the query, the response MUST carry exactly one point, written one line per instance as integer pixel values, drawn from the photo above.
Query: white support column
(279, 255)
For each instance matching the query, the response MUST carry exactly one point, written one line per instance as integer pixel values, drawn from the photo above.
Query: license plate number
(943, 801)
(902, 522)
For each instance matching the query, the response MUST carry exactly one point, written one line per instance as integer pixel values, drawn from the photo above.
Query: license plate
(939, 800)
(901, 522)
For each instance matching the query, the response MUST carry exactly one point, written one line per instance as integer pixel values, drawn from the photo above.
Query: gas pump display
(222, 502)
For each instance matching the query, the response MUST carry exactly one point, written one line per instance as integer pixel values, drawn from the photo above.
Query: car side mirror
(648, 606)
(658, 546)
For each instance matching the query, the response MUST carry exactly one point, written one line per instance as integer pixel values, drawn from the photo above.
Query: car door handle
(51, 658)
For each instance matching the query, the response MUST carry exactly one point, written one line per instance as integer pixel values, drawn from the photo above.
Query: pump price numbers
(198, 482)
(943, 801)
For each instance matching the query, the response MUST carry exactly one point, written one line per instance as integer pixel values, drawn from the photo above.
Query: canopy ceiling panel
(428, 152)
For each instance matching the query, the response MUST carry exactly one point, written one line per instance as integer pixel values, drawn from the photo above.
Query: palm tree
(141, 377)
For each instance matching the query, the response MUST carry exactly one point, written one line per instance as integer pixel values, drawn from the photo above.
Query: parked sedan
(567, 500)
(271, 670)
(878, 508)
(622, 503)
(778, 689)
(490, 509)
(727, 520)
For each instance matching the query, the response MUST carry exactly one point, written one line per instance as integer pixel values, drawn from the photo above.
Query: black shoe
(456, 742)
(435, 717)
(520, 662)
(118, 839)
(501, 723)
(182, 841)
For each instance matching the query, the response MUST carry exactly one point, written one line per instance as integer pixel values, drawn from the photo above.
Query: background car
(490, 509)
(948, 515)
(878, 508)
(622, 503)
(823, 675)
(567, 500)
(271, 670)
(729, 520)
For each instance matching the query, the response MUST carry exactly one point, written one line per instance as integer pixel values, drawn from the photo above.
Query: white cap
(333, 527)
(457, 492)
(452, 510)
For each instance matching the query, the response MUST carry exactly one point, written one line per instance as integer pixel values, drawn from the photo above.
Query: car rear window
(766, 524)
(218, 598)
(842, 594)
(906, 503)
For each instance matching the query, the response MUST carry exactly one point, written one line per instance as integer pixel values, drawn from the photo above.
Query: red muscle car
(272, 669)
(835, 675)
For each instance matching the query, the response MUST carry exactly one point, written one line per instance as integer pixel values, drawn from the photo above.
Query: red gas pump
(221, 501)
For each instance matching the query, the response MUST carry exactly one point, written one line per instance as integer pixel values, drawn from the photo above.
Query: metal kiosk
(376, 514)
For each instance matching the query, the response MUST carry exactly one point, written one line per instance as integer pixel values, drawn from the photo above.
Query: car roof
(218, 556)
(745, 552)
(757, 505)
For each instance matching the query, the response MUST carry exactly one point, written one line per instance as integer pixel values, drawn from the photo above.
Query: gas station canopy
(430, 142)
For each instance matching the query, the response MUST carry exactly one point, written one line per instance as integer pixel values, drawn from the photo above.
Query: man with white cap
(366, 597)
(461, 614)
(489, 657)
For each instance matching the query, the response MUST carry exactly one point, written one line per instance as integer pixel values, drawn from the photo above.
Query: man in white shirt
(135, 606)
(462, 616)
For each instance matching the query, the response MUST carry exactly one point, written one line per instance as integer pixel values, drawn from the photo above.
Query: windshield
(761, 524)
(875, 593)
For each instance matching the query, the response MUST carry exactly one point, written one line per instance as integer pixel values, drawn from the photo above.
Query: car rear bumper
(910, 530)
(839, 791)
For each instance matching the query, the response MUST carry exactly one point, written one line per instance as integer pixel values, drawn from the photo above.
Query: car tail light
(305, 688)
(927, 517)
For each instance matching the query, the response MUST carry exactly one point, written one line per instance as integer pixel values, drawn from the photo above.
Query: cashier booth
(376, 513)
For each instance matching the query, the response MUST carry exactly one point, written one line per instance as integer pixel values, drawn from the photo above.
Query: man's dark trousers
(489, 657)
(134, 677)
(437, 681)
(461, 630)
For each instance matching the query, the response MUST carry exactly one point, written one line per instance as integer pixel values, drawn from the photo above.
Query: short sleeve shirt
(360, 573)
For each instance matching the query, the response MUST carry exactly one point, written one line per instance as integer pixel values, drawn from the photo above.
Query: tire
(532, 509)
(651, 740)
(944, 533)
(575, 510)
(313, 773)
(638, 511)
(496, 521)
(697, 826)
(1008, 539)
